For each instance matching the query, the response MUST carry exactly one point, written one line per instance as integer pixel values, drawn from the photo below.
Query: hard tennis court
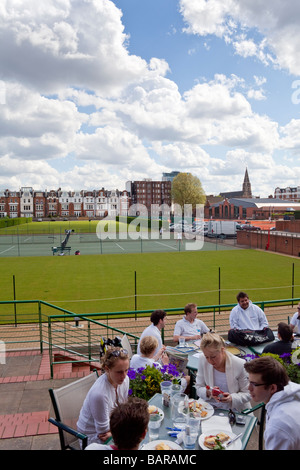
(88, 244)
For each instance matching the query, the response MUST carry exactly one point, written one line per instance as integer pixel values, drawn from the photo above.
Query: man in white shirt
(189, 327)
(158, 319)
(295, 321)
(246, 315)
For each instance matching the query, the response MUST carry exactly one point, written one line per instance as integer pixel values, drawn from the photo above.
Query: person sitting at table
(246, 315)
(219, 368)
(189, 327)
(295, 321)
(147, 356)
(284, 345)
(109, 390)
(148, 347)
(128, 425)
(158, 321)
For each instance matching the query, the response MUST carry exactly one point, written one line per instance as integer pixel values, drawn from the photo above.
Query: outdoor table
(246, 429)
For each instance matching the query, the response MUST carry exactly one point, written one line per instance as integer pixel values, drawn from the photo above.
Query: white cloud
(81, 111)
(49, 44)
(275, 27)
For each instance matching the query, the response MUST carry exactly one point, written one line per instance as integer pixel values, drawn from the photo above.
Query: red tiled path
(60, 371)
(25, 424)
(36, 423)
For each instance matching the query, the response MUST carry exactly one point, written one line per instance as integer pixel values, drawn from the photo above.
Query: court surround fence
(78, 335)
(15, 243)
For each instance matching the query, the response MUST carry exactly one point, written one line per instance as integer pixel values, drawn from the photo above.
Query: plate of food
(161, 444)
(217, 440)
(154, 410)
(199, 408)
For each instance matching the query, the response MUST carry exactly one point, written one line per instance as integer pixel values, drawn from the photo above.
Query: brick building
(59, 203)
(150, 193)
(292, 193)
(243, 208)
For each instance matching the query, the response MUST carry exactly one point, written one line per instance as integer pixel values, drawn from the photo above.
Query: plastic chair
(126, 345)
(67, 402)
(260, 422)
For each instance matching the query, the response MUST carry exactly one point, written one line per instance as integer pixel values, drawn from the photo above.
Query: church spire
(247, 186)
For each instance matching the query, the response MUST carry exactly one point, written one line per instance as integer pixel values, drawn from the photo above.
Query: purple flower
(131, 374)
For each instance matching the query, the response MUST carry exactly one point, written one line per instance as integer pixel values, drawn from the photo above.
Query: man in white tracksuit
(269, 383)
(246, 315)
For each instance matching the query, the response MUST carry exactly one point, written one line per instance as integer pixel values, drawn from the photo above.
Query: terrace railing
(36, 324)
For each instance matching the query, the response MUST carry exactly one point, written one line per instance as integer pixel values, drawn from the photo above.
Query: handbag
(250, 337)
(107, 343)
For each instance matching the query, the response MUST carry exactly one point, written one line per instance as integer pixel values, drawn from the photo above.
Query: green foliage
(187, 189)
(292, 367)
(145, 381)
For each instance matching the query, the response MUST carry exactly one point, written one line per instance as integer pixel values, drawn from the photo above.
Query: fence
(40, 244)
(79, 335)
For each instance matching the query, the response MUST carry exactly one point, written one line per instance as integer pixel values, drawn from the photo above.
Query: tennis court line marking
(14, 246)
(120, 247)
(169, 246)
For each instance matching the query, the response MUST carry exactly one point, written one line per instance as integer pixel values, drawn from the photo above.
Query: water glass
(178, 411)
(166, 389)
(153, 426)
(181, 342)
(191, 433)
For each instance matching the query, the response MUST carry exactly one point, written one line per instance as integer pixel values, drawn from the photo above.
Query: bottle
(231, 417)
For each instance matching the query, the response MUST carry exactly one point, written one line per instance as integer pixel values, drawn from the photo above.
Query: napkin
(221, 423)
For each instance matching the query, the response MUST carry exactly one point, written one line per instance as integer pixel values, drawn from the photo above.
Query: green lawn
(104, 283)
(55, 227)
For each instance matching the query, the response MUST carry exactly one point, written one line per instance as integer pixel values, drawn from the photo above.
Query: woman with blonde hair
(109, 390)
(220, 370)
(147, 356)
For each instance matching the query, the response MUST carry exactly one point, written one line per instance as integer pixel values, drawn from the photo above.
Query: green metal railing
(63, 331)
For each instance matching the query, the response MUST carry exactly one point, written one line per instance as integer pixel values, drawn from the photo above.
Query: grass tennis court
(38, 238)
(105, 283)
(87, 244)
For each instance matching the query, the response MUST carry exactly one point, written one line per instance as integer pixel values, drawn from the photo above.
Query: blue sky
(94, 93)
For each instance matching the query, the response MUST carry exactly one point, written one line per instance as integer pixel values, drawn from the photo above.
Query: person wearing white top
(246, 315)
(158, 319)
(189, 327)
(295, 321)
(219, 368)
(270, 384)
(147, 356)
(109, 390)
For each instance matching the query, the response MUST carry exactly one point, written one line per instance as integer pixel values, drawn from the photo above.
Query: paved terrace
(25, 380)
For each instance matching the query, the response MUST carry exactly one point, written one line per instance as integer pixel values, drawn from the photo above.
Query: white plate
(207, 407)
(237, 445)
(160, 412)
(152, 445)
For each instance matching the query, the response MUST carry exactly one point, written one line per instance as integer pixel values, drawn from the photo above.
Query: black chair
(260, 422)
(67, 402)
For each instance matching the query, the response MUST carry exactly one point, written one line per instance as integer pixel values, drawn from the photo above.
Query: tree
(187, 189)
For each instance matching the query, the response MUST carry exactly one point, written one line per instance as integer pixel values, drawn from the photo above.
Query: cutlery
(233, 440)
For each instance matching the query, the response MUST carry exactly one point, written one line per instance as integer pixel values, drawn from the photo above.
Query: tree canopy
(187, 189)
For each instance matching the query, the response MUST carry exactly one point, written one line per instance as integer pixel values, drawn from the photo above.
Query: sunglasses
(118, 352)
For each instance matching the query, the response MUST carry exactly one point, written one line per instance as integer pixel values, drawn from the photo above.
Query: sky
(94, 93)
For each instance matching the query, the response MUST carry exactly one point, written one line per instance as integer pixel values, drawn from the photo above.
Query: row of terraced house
(28, 202)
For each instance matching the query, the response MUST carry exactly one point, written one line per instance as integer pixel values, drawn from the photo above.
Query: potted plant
(145, 381)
